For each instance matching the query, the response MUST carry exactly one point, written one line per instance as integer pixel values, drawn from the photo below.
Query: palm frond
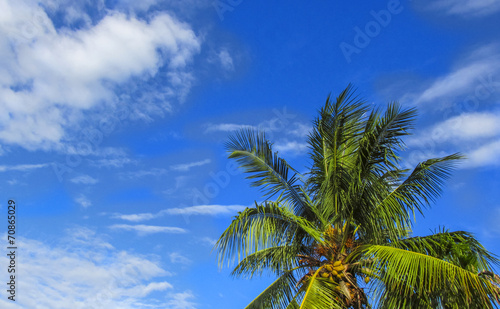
(279, 295)
(269, 172)
(459, 248)
(263, 226)
(424, 184)
(275, 259)
(320, 294)
(407, 275)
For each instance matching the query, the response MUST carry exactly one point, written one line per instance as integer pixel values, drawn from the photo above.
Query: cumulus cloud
(50, 76)
(86, 272)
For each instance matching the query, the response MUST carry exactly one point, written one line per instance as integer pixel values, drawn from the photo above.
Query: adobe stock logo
(221, 7)
(372, 29)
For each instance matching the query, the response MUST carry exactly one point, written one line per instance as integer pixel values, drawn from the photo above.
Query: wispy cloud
(187, 166)
(466, 8)
(208, 241)
(477, 135)
(474, 76)
(182, 301)
(226, 60)
(486, 155)
(148, 229)
(135, 217)
(112, 162)
(21, 167)
(83, 201)
(154, 172)
(227, 127)
(85, 180)
(210, 210)
(461, 128)
(207, 210)
(177, 258)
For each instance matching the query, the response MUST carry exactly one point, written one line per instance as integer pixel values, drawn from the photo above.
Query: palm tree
(340, 235)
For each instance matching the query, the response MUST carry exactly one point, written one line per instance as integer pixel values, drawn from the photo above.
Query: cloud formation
(85, 180)
(148, 229)
(206, 210)
(187, 166)
(86, 272)
(50, 76)
(476, 76)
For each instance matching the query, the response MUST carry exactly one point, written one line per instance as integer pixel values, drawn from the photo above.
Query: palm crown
(340, 235)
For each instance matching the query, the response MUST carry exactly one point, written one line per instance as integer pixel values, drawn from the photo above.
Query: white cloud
(84, 179)
(181, 301)
(135, 217)
(85, 274)
(155, 172)
(208, 241)
(227, 127)
(21, 167)
(475, 76)
(466, 8)
(148, 229)
(291, 147)
(226, 60)
(49, 77)
(187, 166)
(486, 155)
(465, 127)
(178, 258)
(211, 210)
(474, 134)
(301, 130)
(83, 201)
(113, 162)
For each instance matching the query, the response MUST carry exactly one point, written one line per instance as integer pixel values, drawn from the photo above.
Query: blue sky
(115, 115)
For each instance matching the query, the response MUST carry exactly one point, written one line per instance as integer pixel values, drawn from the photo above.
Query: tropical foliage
(340, 236)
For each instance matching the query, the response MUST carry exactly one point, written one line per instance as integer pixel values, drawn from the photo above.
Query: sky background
(114, 116)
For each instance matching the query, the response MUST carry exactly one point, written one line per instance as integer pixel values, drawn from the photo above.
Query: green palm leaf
(411, 274)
